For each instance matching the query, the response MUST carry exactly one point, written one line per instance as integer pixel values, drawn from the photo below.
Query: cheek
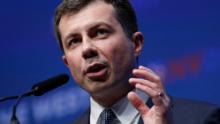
(74, 66)
(121, 54)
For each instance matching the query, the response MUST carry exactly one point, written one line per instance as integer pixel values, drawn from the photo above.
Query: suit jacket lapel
(84, 119)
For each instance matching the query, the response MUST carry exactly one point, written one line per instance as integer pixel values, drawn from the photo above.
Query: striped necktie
(108, 117)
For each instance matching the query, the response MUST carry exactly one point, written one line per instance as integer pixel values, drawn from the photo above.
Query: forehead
(97, 11)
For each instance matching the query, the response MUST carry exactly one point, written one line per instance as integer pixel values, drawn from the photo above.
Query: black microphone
(38, 90)
(42, 87)
(49, 84)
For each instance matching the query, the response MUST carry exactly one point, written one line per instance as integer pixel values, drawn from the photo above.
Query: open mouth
(97, 72)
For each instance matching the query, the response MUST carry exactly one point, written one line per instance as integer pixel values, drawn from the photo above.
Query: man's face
(96, 49)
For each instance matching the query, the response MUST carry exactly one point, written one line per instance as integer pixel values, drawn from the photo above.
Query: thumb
(138, 103)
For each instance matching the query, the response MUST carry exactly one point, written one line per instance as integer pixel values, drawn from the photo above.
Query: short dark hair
(125, 14)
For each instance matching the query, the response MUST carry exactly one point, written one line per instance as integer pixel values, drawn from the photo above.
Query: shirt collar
(123, 109)
(96, 110)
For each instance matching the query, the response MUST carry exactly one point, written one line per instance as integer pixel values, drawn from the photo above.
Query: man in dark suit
(101, 44)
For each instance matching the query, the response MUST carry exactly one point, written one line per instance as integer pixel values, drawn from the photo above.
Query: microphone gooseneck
(37, 90)
(42, 87)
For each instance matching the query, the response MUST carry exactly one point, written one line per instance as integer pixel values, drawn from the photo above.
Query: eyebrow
(69, 36)
(100, 24)
(92, 26)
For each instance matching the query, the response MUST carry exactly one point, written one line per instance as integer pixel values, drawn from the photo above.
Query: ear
(138, 40)
(65, 60)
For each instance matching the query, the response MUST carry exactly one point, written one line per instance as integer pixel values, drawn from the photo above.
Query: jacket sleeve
(213, 117)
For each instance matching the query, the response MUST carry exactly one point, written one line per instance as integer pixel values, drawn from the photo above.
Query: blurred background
(182, 44)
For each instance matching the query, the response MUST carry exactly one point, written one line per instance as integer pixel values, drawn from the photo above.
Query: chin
(100, 89)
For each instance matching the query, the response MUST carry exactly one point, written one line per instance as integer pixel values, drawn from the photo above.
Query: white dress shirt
(123, 109)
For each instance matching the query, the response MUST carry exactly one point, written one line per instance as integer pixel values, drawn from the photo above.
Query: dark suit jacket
(182, 112)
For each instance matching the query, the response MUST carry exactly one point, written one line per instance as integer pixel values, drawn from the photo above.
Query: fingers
(135, 81)
(150, 83)
(146, 73)
(153, 94)
(137, 102)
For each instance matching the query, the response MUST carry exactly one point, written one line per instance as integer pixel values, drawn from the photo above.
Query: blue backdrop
(182, 44)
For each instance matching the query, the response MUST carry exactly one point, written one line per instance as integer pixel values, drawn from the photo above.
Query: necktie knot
(108, 117)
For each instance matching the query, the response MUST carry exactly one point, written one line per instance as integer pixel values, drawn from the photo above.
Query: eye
(74, 41)
(102, 33)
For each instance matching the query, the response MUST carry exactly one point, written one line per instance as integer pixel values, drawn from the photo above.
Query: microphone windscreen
(49, 84)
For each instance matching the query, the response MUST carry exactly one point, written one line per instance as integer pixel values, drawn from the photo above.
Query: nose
(89, 50)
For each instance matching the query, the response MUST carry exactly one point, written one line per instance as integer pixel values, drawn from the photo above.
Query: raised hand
(151, 84)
